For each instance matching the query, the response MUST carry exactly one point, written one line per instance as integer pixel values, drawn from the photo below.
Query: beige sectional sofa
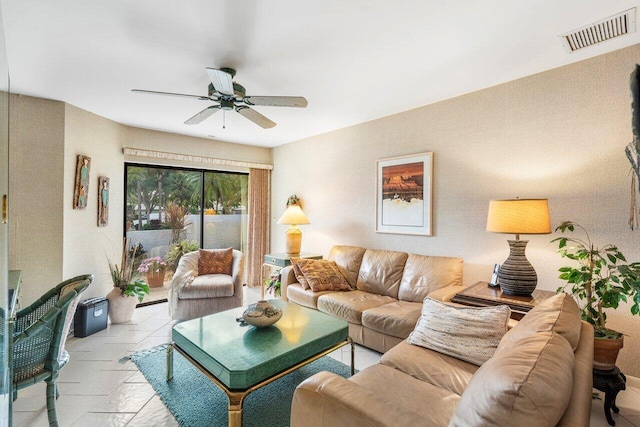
(388, 290)
(540, 374)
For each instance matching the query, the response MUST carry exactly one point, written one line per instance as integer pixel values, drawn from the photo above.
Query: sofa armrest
(286, 278)
(446, 293)
(327, 400)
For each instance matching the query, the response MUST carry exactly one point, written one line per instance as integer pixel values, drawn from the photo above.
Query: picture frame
(103, 201)
(81, 189)
(404, 194)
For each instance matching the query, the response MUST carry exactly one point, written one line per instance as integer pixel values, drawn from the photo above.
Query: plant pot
(605, 353)
(155, 279)
(121, 307)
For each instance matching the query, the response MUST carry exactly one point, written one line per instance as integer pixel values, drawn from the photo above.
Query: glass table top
(241, 356)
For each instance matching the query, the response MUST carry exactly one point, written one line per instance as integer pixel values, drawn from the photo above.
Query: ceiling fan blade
(255, 117)
(276, 101)
(222, 81)
(153, 92)
(202, 115)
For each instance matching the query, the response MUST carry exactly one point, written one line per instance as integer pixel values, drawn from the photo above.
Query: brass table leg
(170, 362)
(235, 408)
(353, 353)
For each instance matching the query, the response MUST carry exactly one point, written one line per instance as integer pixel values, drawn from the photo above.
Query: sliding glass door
(169, 209)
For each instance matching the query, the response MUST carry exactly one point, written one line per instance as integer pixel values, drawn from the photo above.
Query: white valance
(139, 152)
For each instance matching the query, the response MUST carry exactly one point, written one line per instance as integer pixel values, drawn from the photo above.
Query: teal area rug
(195, 401)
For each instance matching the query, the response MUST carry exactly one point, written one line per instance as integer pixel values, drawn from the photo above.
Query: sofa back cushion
(348, 260)
(381, 272)
(424, 274)
(560, 314)
(520, 385)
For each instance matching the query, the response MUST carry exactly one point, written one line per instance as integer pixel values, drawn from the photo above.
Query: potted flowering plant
(127, 290)
(155, 269)
(602, 279)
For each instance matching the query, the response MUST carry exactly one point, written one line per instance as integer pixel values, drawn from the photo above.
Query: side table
(280, 260)
(481, 294)
(609, 382)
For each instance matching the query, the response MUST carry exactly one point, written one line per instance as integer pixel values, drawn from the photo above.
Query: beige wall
(36, 179)
(558, 135)
(49, 240)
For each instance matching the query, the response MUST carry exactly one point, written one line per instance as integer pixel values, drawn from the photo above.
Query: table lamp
(293, 216)
(518, 216)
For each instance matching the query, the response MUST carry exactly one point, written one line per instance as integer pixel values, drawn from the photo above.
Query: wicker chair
(39, 336)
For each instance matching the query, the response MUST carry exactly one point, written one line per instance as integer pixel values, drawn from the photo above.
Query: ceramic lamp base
(516, 275)
(293, 241)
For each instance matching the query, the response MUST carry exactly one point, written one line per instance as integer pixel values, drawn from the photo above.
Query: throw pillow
(471, 334)
(322, 275)
(215, 261)
(299, 276)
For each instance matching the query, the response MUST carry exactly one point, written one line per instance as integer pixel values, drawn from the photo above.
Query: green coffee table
(241, 359)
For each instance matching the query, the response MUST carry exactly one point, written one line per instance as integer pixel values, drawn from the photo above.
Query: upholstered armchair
(201, 287)
(39, 337)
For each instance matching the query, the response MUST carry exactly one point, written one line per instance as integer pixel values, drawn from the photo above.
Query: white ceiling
(354, 60)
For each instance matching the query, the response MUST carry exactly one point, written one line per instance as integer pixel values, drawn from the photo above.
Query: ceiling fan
(231, 95)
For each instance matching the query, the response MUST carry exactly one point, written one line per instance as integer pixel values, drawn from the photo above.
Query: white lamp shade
(519, 216)
(293, 216)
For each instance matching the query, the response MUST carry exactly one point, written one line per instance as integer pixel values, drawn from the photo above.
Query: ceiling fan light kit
(232, 96)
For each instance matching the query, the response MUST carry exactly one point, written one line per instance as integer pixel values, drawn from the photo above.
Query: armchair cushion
(208, 286)
(215, 261)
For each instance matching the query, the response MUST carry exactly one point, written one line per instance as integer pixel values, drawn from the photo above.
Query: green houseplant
(127, 290)
(602, 279)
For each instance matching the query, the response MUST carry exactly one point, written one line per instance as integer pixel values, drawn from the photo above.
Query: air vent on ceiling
(611, 27)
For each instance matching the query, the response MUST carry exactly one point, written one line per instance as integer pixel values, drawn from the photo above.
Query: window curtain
(258, 224)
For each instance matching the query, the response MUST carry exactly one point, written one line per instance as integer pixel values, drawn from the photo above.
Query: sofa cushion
(208, 286)
(430, 366)
(424, 274)
(299, 276)
(560, 313)
(348, 259)
(519, 384)
(322, 275)
(397, 319)
(215, 261)
(305, 297)
(468, 333)
(381, 272)
(409, 393)
(350, 305)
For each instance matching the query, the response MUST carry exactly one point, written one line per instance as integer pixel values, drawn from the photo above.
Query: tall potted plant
(602, 279)
(127, 290)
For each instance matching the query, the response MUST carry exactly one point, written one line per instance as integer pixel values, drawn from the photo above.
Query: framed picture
(403, 197)
(103, 201)
(81, 190)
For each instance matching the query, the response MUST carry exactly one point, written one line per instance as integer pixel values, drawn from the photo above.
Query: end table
(609, 382)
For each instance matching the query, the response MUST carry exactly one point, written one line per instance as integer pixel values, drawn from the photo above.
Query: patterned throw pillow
(322, 275)
(215, 261)
(466, 333)
(299, 276)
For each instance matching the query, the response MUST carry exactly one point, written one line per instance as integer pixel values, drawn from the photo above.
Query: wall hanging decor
(403, 197)
(81, 189)
(633, 149)
(103, 201)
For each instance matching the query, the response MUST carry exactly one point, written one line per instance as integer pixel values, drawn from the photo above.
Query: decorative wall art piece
(81, 190)
(633, 149)
(403, 197)
(103, 201)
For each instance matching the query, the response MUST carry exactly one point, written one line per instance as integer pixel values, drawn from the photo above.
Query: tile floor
(96, 390)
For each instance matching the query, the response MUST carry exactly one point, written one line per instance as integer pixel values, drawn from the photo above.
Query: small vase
(262, 314)
(121, 307)
(155, 279)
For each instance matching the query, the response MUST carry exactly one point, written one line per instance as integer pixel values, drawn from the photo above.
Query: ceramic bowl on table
(261, 314)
